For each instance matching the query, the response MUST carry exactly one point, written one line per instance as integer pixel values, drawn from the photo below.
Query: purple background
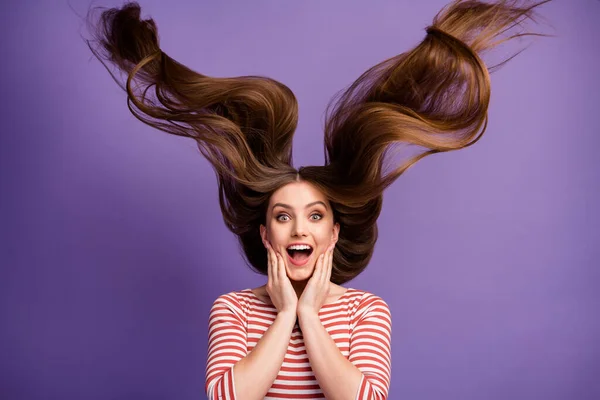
(113, 248)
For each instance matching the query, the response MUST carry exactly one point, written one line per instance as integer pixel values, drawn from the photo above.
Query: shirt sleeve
(227, 345)
(370, 348)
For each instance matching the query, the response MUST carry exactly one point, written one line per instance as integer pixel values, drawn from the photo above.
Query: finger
(325, 266)
(270, 264)
(281, 267)
(275, 267)
(319, 267)
(325, 263)
(329, 267)
(270, 258)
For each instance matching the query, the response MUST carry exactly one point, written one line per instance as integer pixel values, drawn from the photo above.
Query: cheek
(323, 234)
(277, 234)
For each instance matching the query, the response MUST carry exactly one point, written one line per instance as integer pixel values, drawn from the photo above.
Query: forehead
(297, 194)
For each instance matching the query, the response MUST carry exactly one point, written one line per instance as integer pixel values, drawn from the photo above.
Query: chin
(300, 273)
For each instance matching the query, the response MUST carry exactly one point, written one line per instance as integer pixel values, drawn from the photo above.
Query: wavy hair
(433, 98)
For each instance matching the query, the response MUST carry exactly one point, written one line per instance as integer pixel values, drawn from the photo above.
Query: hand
(280, 289)
(317, 289)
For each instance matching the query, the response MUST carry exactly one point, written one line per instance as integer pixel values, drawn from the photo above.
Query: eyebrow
(308, 205)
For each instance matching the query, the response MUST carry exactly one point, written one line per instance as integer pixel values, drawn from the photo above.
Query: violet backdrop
(112, 246)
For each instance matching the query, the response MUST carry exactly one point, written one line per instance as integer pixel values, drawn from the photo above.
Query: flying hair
(433, 98)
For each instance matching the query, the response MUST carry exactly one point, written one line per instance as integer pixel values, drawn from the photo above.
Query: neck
(299, 286)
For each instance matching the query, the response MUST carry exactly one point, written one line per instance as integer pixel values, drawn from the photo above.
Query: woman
(312, 229)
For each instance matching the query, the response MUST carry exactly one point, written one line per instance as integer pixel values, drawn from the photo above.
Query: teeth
(299, 247)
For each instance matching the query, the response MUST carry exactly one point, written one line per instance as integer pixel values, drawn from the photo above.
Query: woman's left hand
(317, 289)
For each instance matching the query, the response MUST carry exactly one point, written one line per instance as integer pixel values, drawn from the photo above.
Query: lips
(299, 253)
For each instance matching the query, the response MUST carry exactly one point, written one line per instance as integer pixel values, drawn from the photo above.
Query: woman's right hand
(279, 287)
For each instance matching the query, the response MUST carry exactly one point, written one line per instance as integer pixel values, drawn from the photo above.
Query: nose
(299, 228)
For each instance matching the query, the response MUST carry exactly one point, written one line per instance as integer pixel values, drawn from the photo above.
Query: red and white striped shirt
(359, 323)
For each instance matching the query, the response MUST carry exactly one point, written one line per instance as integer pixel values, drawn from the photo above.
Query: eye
(278, 218)
(316, 215)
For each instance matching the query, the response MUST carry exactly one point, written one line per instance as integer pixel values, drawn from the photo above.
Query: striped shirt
(359, 323)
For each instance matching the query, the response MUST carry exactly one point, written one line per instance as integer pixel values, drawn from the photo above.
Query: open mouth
(299, 254)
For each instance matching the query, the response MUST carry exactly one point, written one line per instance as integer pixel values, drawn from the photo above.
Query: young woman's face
(298, 213)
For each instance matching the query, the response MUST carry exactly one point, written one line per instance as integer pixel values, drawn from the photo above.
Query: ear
(336, 233)
(263, 233)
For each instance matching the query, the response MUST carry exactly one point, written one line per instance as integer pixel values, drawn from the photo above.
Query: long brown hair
(433, 98)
